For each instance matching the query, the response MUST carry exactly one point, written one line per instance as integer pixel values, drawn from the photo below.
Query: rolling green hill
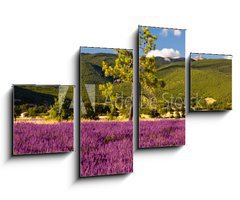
(91, 73)
(173, 75)
(91, 67)
(172, 96)
(38, 95)
(211, 78)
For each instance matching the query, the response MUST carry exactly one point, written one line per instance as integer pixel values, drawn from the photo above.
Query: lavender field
(162, 133)
(31, 138)
(106, 148)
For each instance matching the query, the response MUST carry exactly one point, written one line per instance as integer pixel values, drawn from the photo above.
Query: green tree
(149, 82)
(122, 72)
(61, 113)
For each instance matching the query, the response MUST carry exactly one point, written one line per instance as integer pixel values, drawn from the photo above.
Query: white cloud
(164, 32)
(227, 57)
(177, 32)
(165, 53)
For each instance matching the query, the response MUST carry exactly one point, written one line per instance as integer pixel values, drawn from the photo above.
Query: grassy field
(211, 79)
(174, 76)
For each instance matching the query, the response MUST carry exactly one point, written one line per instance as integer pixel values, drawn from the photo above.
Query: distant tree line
(55, 111)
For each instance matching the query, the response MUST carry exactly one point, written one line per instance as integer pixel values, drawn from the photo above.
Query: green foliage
(38, 95)
(122, 72)
(91, 73)
(61, 110)
(146, 40)
(162, 82)
(90, 113)
(36, 101)
(36, 110)
(151, 84)
(149, 80)
(211, 78)
(30, 110)
(101, 108)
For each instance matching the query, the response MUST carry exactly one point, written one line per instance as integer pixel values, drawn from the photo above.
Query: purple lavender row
(30, 138)
(106, 148)
(162, 133)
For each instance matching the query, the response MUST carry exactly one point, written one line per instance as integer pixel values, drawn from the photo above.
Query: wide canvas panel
(210, 82)
(162, 87)
(106, 129)
(43, 119)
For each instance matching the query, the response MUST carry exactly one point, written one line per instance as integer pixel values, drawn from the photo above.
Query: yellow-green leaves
(147, 65)
(108, 70)
(123, 68)
(106, 89)
(146, 40)
(121, 72)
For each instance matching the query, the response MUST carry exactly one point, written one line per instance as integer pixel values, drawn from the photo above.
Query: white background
(39, 42)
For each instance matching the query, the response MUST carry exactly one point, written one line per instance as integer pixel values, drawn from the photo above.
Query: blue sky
(96, 50)
(209, 56)
(169, 39)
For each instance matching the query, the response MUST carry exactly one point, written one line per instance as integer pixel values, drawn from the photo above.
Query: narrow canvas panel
(210, 82)
(106, 129)
(43, 119)
(162, 87)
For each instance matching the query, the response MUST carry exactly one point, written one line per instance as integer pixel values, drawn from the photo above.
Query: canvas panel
(106, 128)
(162, 87)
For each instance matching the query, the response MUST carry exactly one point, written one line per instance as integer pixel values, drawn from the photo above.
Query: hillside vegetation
(91, 73)
(211, 83)
(42, 101)
(170, 100)
(173, 74)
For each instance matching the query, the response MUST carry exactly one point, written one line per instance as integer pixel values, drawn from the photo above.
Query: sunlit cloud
(177, 32)
(228, 57)
(164, 32)
(164, 53)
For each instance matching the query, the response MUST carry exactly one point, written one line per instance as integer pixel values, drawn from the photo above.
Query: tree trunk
(131, 112)
(131, 106)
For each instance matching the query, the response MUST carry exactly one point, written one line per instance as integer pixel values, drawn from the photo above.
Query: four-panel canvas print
(43, 114)
(162, 87)
(210, 82)
(106, 128)
(43, 119)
